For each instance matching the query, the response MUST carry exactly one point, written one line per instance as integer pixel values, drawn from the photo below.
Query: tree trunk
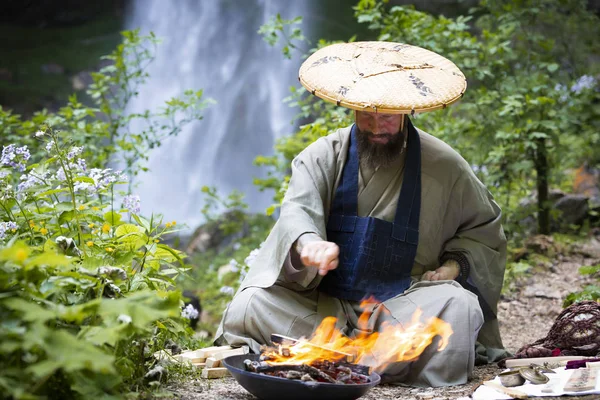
(541, 168)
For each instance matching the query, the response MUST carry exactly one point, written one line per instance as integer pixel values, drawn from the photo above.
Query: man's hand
(448, 271)
(321, 254)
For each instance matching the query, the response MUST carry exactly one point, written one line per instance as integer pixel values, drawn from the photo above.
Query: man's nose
(376, 127)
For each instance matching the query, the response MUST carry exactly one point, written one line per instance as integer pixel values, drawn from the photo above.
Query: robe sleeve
(305, 205)
(479, 237)
(304, 210)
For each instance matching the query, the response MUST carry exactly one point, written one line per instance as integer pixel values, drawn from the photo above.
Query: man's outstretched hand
(315, 252)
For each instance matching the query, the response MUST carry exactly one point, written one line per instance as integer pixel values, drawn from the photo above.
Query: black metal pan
(267, 387)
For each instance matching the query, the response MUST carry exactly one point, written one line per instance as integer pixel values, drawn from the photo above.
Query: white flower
(40, 133)
(243, 274)
(584, 82)
(7, 226)
(228, 290)
(132, 203)
(189, 312)
(124, 319)
(248, 261)
(233, 265)
(74, 152)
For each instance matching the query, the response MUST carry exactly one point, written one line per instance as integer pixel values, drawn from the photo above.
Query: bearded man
(380, 209)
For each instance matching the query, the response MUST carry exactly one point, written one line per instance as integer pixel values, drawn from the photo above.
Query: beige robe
(457, 214)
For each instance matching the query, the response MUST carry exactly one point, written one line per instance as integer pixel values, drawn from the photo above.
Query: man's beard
(380, 154)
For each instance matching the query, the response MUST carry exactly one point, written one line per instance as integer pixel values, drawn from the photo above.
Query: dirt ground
(525, 315)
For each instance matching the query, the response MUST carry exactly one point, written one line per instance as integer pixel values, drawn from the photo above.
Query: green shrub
(85, 282)
(589, 292)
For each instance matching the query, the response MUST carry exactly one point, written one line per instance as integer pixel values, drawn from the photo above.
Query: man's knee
(465, 304)
(259, 312)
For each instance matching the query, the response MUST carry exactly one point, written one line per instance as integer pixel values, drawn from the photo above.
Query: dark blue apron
(376, 256)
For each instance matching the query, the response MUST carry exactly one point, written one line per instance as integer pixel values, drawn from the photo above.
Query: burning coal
(329, 356)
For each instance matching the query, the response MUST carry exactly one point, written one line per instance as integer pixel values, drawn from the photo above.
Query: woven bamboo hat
(383, 77)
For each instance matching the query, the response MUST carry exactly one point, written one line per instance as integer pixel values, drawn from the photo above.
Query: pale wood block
(199, 365)
(233, 352)
(213, 373)
(209, 351)
(212, 362)
(190, 356)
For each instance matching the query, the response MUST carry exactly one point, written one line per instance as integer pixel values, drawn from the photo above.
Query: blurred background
(49, 48)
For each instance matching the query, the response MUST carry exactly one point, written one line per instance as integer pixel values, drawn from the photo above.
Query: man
(380, 209)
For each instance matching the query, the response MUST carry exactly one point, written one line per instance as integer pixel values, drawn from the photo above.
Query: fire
(392, 343)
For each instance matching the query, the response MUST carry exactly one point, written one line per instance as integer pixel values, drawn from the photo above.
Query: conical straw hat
(384, 77)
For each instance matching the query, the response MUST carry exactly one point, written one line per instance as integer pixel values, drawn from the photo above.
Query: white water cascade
(213, 45)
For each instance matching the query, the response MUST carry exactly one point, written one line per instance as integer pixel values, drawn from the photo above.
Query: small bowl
(511, 378)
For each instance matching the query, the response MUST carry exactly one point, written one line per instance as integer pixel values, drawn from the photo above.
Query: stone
(587, 183)
(573, 210)
(81, 80)
(541, 292)
(540, 244)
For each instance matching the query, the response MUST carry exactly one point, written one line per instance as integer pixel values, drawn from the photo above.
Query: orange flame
(392, 343)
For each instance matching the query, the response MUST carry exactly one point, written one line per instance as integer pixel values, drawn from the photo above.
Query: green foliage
(233, 205)
(276, 26)
(222, 267)
(589, 292)
(85, 284)
(514, 271)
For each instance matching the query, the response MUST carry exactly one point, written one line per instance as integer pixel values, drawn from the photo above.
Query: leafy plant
(236, 236)
(86, 285)
(286, 28)
(589, 292)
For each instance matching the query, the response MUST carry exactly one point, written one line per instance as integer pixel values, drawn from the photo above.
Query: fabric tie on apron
(376, 256)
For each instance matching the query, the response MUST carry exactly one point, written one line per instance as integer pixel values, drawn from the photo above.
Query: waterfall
(213, 45)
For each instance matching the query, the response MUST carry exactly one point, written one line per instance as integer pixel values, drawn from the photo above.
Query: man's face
(380, 128)
(380, 137)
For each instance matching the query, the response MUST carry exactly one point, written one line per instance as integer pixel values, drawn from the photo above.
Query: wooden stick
(190, 356)
(231, 352)
(288, 341)
(562, 360)
(213, 373)
(209, 351)
(517, 394)
(312, 371)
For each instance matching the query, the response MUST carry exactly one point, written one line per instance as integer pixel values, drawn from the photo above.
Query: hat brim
(383, 77)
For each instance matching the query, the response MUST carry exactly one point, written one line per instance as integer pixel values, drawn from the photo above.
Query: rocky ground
(526, 313)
